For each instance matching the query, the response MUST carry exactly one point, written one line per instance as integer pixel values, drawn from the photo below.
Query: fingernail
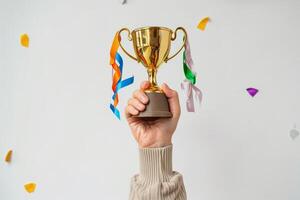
(166, 85)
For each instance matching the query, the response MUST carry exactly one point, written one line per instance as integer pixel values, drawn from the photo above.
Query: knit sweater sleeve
(157, 180)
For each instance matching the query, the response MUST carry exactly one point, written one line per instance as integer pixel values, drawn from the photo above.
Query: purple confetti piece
(252, 91)
(294, 133)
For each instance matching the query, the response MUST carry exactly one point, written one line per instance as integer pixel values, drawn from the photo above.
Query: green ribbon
(189, 75)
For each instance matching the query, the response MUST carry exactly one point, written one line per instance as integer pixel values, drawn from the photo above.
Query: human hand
(152, 133)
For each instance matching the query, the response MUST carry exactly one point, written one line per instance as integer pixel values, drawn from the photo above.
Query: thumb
(173, 100)
(144, 85)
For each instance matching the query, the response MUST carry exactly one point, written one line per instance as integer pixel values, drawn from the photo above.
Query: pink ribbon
(187, 86)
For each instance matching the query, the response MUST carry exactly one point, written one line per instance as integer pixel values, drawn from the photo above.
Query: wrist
(157, 144)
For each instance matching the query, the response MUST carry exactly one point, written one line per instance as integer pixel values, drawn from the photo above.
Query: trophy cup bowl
(152, 47)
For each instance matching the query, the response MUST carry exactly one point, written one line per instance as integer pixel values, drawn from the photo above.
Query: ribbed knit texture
(157, 180)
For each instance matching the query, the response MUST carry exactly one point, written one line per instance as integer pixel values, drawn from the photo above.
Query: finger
(144, 85)
(136, 104)
(140, 95)
(130, 111)
(173, 100)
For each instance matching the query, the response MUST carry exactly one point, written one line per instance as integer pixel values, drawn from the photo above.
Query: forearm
(157, 180)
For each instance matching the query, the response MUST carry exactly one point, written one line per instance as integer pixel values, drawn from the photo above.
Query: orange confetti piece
(30, 187)
(202, 24)
(24, 40)
(8, 156)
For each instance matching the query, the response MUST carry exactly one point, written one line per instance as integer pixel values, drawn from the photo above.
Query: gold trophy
(152, 46)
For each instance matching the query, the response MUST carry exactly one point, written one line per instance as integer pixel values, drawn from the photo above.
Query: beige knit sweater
(157, 180)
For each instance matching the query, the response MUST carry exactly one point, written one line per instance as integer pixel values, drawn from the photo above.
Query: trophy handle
(130, 39)
(174, 37)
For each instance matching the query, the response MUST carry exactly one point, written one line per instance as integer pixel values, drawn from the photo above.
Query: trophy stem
(152, 79)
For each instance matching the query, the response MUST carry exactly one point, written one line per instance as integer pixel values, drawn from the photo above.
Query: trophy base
(157, 106)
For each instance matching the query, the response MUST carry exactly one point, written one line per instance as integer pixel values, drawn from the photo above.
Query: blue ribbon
(121, 84)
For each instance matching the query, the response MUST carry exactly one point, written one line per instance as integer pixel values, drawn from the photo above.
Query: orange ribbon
(116, 62)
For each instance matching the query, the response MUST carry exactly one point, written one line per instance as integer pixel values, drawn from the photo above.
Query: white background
(55, 95)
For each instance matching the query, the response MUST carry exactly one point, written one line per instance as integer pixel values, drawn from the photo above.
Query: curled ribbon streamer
(189, 75)
(189, 89)
(117, 70)
(188, 56)
(188, 85)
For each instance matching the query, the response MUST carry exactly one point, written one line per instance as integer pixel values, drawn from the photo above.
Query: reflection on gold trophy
(152, 46)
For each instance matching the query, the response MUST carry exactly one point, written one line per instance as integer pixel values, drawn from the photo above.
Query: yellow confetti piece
(30, 187)
(8, 156)
(24, 40)
(202, 24)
